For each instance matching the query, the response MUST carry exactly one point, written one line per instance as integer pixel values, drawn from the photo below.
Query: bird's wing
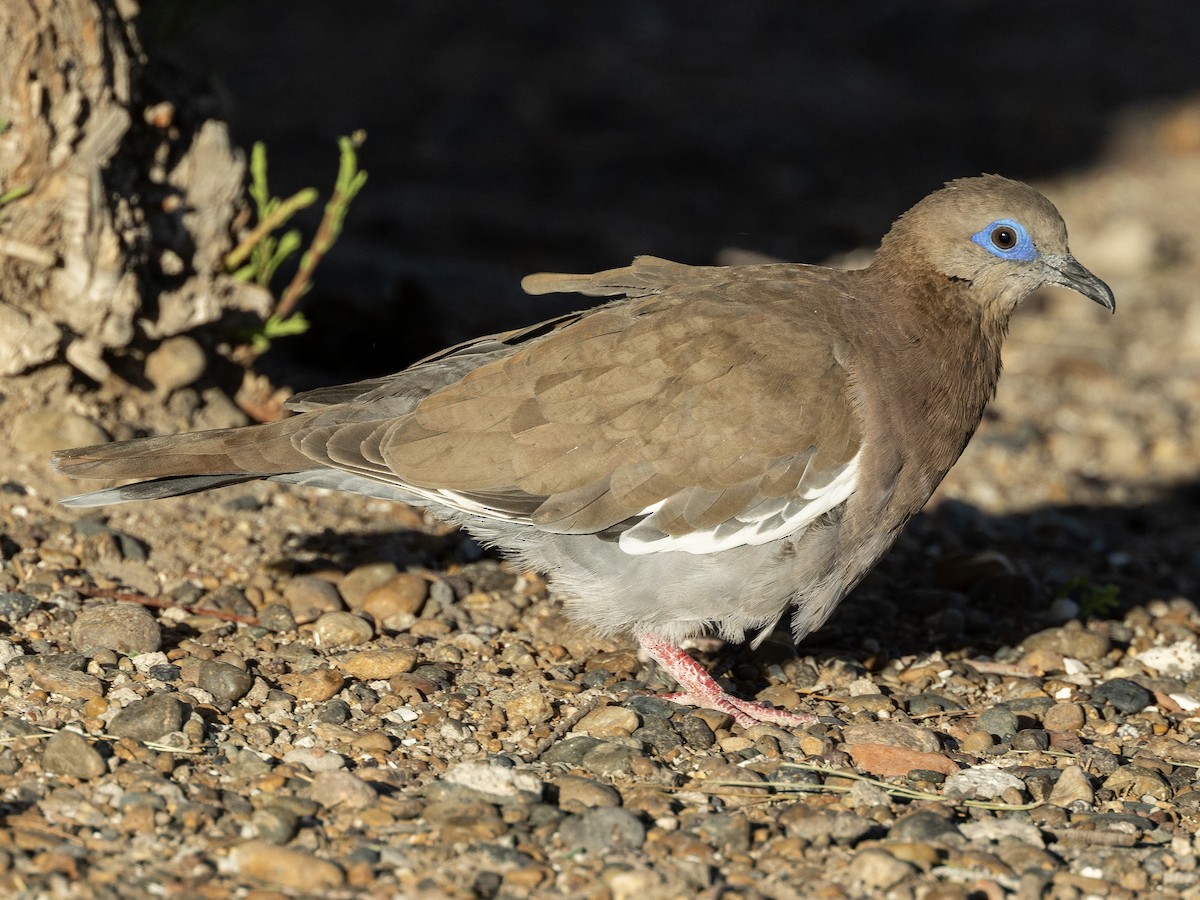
(712, 412)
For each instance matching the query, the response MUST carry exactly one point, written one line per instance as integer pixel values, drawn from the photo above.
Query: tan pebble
(920, 855)
(308, 597)
(713, 718)
(292, 869)
(175, 363)
(533, 707)
(372, 742)
(977, 742)
(885, 759)
(76, 685)
(123, 627)
(341, 629)
(898, 734)
(781, 696)
(315, 686)
(1064, 716)
(69, 753)
(402, 594)
(379, 665)
(576, 793)
(523, 879)
(429, 628)
(735, 744)
(1073, 785)
(360, 581)
(1043, 660)
(411, 688)
(608, 721)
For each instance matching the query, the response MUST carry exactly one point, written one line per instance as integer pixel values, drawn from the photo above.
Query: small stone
(876, 870)
(341, 629)
(887, 760)
(58, 679)
(608, 721)
(999, 721)
(803, 821)
(360, 581)
(464, 820)
(277, 618)
(1031, 739)
(275, 823)
(1073, 786)
(308, 597)
(576, 793)
(696, 733)
(924, 826)
(977, 742)
(69, 753)
(610, 759)
(315, 686)
(897, 734)
(925, 703)
(296, 870)
(39, 432)
(533, 707)
(16, 605)
(145, 720)
(602, 830)
(981, 783)
(341, 789)
(402, 594)
(570, 752)
(1064, 716)
(495, 783)
(123, 627)
(223, 680)
(1070, 641)
(315, 759)
(1136, 782)
(379, 665)
(175, 363)
(1125, 696)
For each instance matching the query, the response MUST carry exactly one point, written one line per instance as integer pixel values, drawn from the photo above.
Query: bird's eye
(1004, 237)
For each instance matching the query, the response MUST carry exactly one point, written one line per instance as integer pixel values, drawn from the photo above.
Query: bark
(133, 191)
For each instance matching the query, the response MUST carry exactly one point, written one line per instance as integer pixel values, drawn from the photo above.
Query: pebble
(342, 790)
(1138, 782)
(602, 830)
(360, 581)
(818, 826)
(297, 870)
(875, 870)
(887, 760)
(696, 733)
(341, 629)
(576, 793)
(1070, 641)
(981, 783)
(39, 432)
(1126, 696)
(495, 783)
(146, 720)
(998, 721)
(175, 363)
(570, 751)
(401, 595)
(533, 707)
(315, 759)
(123, 627)
(315, 686)
(464, 820)
(379, 665)
(57, 679)
(277, 618)
(608, 721)
(1064, 716)
(309, 597)
(275, 823)
(610, 759)
(897, 734)
(924, 826)
(16, 605)
(223, 680)
(69, 753)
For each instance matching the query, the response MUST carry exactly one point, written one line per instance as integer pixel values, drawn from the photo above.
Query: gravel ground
(331, 696)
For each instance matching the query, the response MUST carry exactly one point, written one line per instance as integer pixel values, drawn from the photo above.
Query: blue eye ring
(1007, 239)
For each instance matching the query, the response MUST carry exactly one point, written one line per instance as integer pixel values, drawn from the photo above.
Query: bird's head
(1001, 237)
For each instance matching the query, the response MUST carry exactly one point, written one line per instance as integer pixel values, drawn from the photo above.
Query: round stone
(342, 629)
(123, 627)
(223, 680)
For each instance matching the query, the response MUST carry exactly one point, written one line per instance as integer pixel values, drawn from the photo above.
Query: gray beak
(1066, 271)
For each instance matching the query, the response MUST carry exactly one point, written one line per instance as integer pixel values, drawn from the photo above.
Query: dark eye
(1004, 237)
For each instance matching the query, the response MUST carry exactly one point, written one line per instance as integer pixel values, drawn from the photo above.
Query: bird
(707, 449)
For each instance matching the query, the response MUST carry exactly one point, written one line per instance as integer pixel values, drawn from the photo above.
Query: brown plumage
(717, 445)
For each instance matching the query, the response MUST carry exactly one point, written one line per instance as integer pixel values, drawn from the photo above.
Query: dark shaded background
(508, 138)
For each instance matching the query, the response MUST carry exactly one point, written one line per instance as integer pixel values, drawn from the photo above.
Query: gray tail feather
(153, 490)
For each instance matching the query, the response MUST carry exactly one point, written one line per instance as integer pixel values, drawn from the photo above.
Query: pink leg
(699, 688)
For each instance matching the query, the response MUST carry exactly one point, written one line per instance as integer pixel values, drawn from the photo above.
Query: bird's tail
(183, 463)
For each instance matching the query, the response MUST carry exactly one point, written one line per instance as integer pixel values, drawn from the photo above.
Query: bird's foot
(700, 689)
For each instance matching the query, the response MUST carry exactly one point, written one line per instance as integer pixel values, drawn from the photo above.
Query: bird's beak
(1066, 271)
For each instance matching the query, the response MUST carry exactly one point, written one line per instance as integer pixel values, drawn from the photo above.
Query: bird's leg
(700, 689)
